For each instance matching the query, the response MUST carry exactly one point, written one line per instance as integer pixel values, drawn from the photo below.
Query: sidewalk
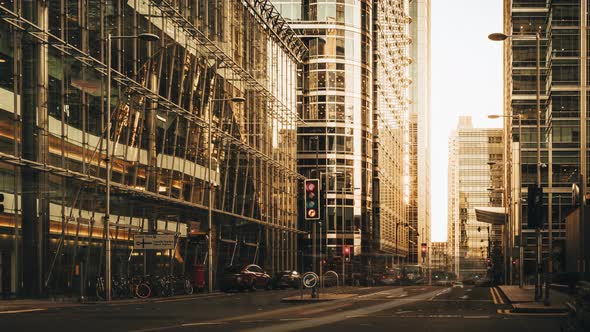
(522, 300)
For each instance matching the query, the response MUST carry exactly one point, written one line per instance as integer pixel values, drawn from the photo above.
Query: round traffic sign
(310, 280)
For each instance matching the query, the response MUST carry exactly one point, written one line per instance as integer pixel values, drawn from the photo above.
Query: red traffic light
(424, 247)
(312, 202)
(347, 251)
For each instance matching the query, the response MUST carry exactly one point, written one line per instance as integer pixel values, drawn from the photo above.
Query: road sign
(310, 280)
(153, 241)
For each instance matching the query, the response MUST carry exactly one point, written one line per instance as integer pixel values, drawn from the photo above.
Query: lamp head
(149, 37)
(238, 99)
(497, 36)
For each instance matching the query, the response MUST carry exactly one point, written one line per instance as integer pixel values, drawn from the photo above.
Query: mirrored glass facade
(165, 95)
(476, 173)
(564, 109)
(353, 99)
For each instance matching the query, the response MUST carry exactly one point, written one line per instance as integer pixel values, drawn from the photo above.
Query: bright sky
(466, 80)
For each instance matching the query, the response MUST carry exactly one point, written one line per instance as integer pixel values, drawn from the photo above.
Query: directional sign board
(310, 280)
(153, 241)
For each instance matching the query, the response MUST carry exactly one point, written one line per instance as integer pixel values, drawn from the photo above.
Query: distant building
(419, 130)
(475, 175)
(440, 257)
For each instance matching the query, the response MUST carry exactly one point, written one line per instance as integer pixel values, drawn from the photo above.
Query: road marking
(191, 298)
(20, 311)
(318, 310)
(498, 296)
(332, 318)
(444, 291)
(365, 288)
(464, 297)
(455, 300)
(469, 290)
(493, 296)
(292, 319)
(476, 317)
(403, 312)
(254, 321)
(356, 316)
(202, 324)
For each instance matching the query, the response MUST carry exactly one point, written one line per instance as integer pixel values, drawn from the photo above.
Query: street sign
(310, 280)
(153, 241)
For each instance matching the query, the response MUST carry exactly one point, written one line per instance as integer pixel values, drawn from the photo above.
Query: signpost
(310, 280)
(153, 241)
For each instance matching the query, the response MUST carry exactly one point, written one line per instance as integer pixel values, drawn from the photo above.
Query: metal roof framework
(45, 37)
(120, 188)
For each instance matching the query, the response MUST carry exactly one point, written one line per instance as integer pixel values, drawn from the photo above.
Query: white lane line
(254, 321)
(403, 312)
(20, 311)
(202, 324)
(337, 317)
(356, 316)
(476, 317)
(293, 319)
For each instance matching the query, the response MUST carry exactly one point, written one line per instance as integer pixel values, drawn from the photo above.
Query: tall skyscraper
(475, 171)
(419, 129)
(561, 26)
(353, 101)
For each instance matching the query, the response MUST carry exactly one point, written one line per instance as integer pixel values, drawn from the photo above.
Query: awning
(491, 215)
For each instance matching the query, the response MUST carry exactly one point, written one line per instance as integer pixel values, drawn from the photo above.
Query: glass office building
(475, 171)
(176, 134)
(353, 137)
(564, 110)
(419, 123)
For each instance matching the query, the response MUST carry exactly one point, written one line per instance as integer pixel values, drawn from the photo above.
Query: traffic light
(1, 203)
(535, 206)
(346, 253)
(312, 199)
(423, 250)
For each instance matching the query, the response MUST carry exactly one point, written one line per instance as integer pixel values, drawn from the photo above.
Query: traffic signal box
(346, 253)
(535, 206)
(312, 199)
(423, 250)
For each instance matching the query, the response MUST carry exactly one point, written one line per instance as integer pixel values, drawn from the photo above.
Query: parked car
(287, 279)
(248, 277)
(387, 279)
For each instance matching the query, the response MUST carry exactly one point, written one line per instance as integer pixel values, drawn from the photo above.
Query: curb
(52, 304)
(517, 306)
(153, 299)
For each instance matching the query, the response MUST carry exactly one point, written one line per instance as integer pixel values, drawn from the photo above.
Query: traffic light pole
(538, 289)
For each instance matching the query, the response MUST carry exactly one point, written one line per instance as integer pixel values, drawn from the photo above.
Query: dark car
(248, 277)
(287, 279)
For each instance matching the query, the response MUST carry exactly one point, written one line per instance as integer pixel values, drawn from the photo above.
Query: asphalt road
(410, 308)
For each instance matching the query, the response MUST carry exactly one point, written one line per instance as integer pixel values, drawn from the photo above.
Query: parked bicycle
(144, 286)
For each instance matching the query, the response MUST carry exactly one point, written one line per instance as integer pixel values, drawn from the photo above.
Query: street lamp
(210, 191)
(502, 37)
(519, 201)
(148, 37)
